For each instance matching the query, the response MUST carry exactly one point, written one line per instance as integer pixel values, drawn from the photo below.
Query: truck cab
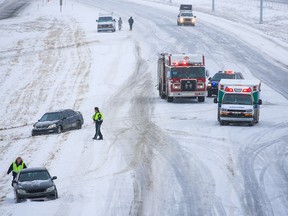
(238, 101)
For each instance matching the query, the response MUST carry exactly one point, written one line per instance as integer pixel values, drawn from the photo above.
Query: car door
(65, 120)
(72, 118)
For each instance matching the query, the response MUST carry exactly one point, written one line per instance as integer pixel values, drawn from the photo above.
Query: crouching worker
(15, 167)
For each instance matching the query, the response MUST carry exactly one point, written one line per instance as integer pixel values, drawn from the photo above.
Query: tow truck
(238, 101)
(182, 76)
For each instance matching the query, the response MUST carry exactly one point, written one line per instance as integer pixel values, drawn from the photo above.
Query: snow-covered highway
(157, 158)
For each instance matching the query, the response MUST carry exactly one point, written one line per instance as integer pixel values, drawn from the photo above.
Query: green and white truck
(238, 101)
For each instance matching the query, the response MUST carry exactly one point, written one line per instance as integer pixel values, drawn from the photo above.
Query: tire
(18, 200)
(170, 99)
(201, 99)
(251, 123)
(59, 129)
(78, 125)
(222, 123)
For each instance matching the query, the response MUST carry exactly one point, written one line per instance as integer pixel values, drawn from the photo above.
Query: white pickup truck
(106, 23)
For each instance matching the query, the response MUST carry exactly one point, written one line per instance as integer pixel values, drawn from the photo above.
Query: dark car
(212, 86)
(34, 184)
(58, 121)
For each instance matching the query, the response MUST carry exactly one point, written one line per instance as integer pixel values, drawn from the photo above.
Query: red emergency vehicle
(182, 76)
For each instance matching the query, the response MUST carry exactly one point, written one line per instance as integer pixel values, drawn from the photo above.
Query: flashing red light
(247, 90)
(185, 63)
(227, 89)
(176, 63)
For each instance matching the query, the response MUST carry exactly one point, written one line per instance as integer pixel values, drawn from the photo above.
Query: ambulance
(238, 101)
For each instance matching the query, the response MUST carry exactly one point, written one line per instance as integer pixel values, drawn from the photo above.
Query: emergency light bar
(185, 60)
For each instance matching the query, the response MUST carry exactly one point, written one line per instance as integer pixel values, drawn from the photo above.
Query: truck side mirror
(210, 78)
(207, 73)
(194, 16)
(215, 100)
(259, 102)
(96, 20)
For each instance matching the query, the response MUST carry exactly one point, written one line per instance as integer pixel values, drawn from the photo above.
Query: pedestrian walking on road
(131, 21)
(119, 24)
(98, 120)
(16, 166)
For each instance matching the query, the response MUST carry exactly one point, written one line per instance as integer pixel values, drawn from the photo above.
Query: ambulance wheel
(251, 123)
(222, 122)
(170, 99)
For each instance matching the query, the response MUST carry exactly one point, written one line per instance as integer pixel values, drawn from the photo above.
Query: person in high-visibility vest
(98, 120)
(16, 166)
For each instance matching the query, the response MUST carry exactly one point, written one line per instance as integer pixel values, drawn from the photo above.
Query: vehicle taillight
(227, 89)
(247, 90)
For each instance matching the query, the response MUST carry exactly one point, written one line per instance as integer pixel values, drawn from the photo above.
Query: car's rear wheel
(79, 125)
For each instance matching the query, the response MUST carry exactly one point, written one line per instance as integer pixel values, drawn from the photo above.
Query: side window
(65, 114)
(71, 113)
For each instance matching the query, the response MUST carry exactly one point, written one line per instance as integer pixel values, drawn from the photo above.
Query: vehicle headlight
(50, 189)
(52, 126)
(209, 84)
(21, 191)
(176, 86)
(181, 20)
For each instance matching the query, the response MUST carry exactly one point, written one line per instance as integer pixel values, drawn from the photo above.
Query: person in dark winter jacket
(130, 21)
(16, 166)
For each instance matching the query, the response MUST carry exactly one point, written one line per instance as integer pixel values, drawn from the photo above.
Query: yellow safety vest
(16, 168)
(97, 116)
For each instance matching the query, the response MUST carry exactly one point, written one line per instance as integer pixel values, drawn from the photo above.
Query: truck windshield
(244, 99)
(105, 19)
(188, 72)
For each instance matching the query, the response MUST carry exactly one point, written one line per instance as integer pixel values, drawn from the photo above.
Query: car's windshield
(35, 175)
(244, 99)
(219, 76)
(188, 72)
(105, 19)
(187, 14)
(51, 117)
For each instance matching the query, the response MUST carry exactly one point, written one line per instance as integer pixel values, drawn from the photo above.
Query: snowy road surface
(157, 158)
